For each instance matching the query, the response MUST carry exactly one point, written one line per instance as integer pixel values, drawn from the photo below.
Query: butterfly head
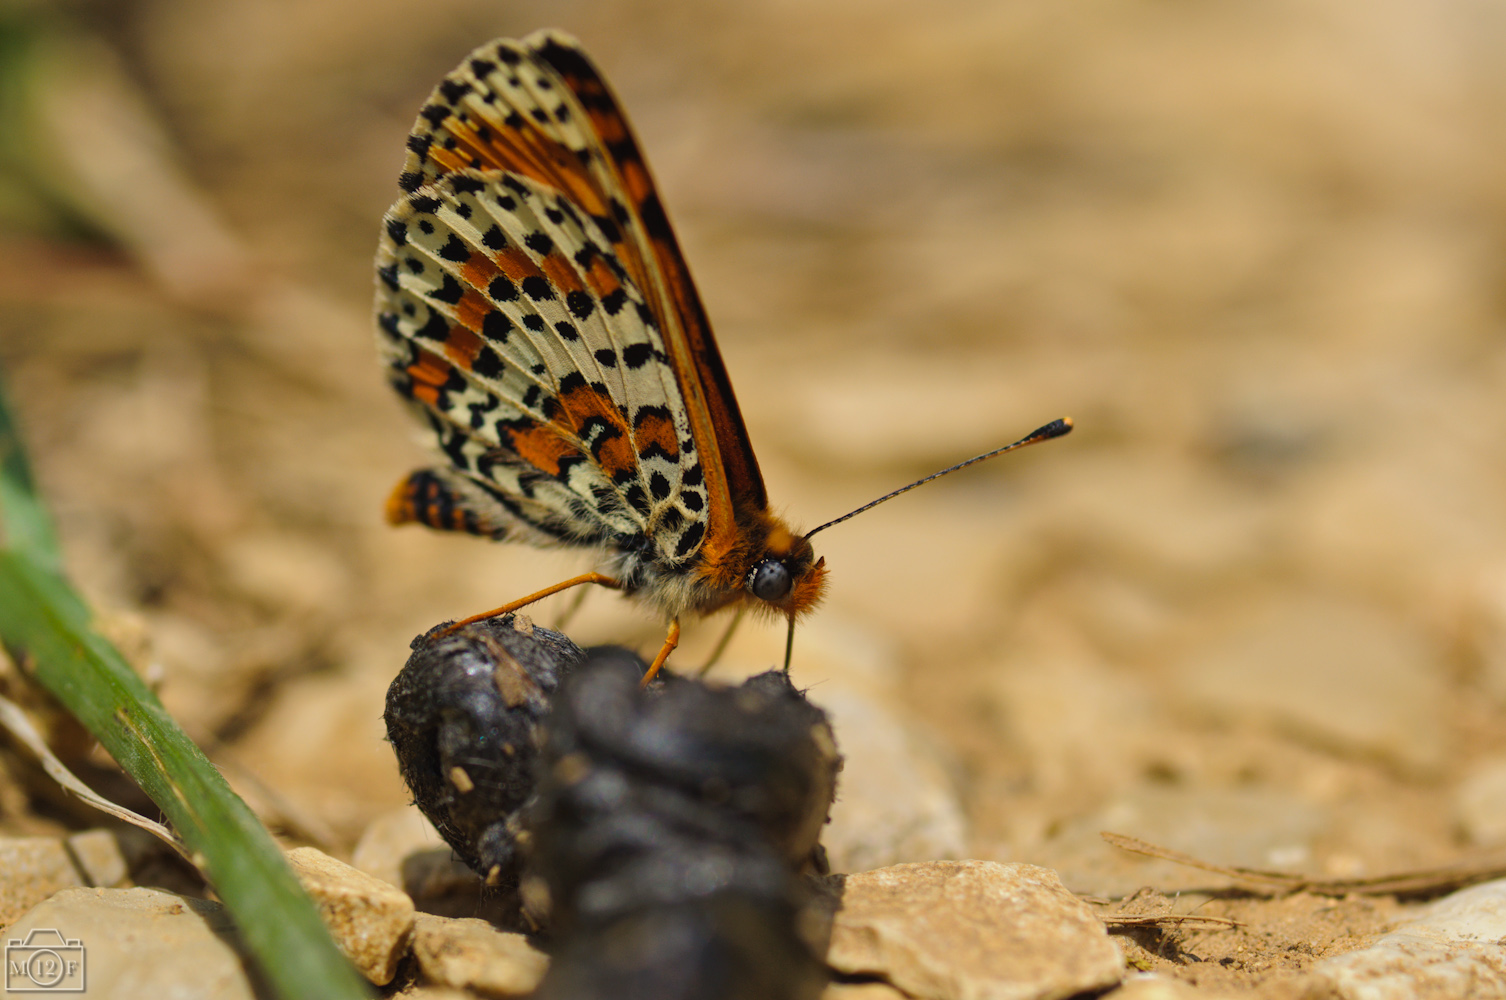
(787, 577)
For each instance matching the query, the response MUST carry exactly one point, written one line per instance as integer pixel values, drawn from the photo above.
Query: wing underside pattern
(509, 320)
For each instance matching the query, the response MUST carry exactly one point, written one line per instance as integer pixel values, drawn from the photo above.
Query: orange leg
(574, 581)
(670, 642)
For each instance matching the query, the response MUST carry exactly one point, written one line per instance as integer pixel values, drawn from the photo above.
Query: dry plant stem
(15, 721)
(1119, 921)
(48, 630)
(1423, 882)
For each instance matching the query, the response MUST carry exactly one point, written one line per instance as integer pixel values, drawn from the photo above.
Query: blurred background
(1254, 608)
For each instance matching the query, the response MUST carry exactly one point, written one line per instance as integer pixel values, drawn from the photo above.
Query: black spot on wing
(635, 356)
(437, 327)
(690, 539)
(454, 90)
(502, 289)
(495, 327)
(487, 364)
(449, 292)
(614, 301)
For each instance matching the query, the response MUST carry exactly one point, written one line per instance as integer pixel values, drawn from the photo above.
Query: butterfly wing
(539, 109)
(506, 317)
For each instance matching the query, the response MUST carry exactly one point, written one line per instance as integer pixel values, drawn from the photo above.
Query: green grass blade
(47, 628)
(26, 527)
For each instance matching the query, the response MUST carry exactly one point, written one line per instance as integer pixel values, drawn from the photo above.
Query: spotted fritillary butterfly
(533, 304)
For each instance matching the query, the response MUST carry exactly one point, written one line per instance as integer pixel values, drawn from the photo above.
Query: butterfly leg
(671, 640)
(574, 581)
(724, 641)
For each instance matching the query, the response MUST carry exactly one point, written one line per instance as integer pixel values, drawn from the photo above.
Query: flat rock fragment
(370, 920)
(1451, 949)
(971, 930)
(471, 954)
(136, 943)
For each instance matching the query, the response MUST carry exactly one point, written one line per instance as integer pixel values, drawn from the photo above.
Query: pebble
(1452, 948)
(472, 954)
(143, 943)
(971, 930)
(391, 839)
(1149, 986)
(37, 867)
(862, 991)
(1340, 674)
(340, 767)
(1480, 803)
(99, 859)
(370, 920)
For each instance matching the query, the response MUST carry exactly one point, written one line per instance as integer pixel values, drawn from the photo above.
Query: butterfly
(534, 307)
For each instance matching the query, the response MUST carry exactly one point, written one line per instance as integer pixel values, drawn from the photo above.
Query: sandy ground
(1254, 608)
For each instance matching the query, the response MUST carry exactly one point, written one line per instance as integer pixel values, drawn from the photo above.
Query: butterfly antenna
(1054, 429)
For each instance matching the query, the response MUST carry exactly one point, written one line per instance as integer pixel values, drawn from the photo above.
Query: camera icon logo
(45, 962)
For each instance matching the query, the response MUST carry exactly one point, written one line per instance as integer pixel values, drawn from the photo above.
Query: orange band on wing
(429, 374)
(655, 429)
(613, 447)
(540, 445)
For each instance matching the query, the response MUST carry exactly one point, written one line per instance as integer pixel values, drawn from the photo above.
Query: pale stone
(862, 991)
(1149, 986)
(31, 869)
(1480, 803)
(99, 860)
(144, 943)
(391, 839)
(472, 954)
(370, 920)
(1450, 949)
(971, 930)
(340, 769)
(1340, 674)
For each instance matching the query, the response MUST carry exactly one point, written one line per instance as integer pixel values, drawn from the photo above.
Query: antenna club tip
(1055, 429)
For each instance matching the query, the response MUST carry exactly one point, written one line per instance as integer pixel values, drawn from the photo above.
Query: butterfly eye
(770, 580)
